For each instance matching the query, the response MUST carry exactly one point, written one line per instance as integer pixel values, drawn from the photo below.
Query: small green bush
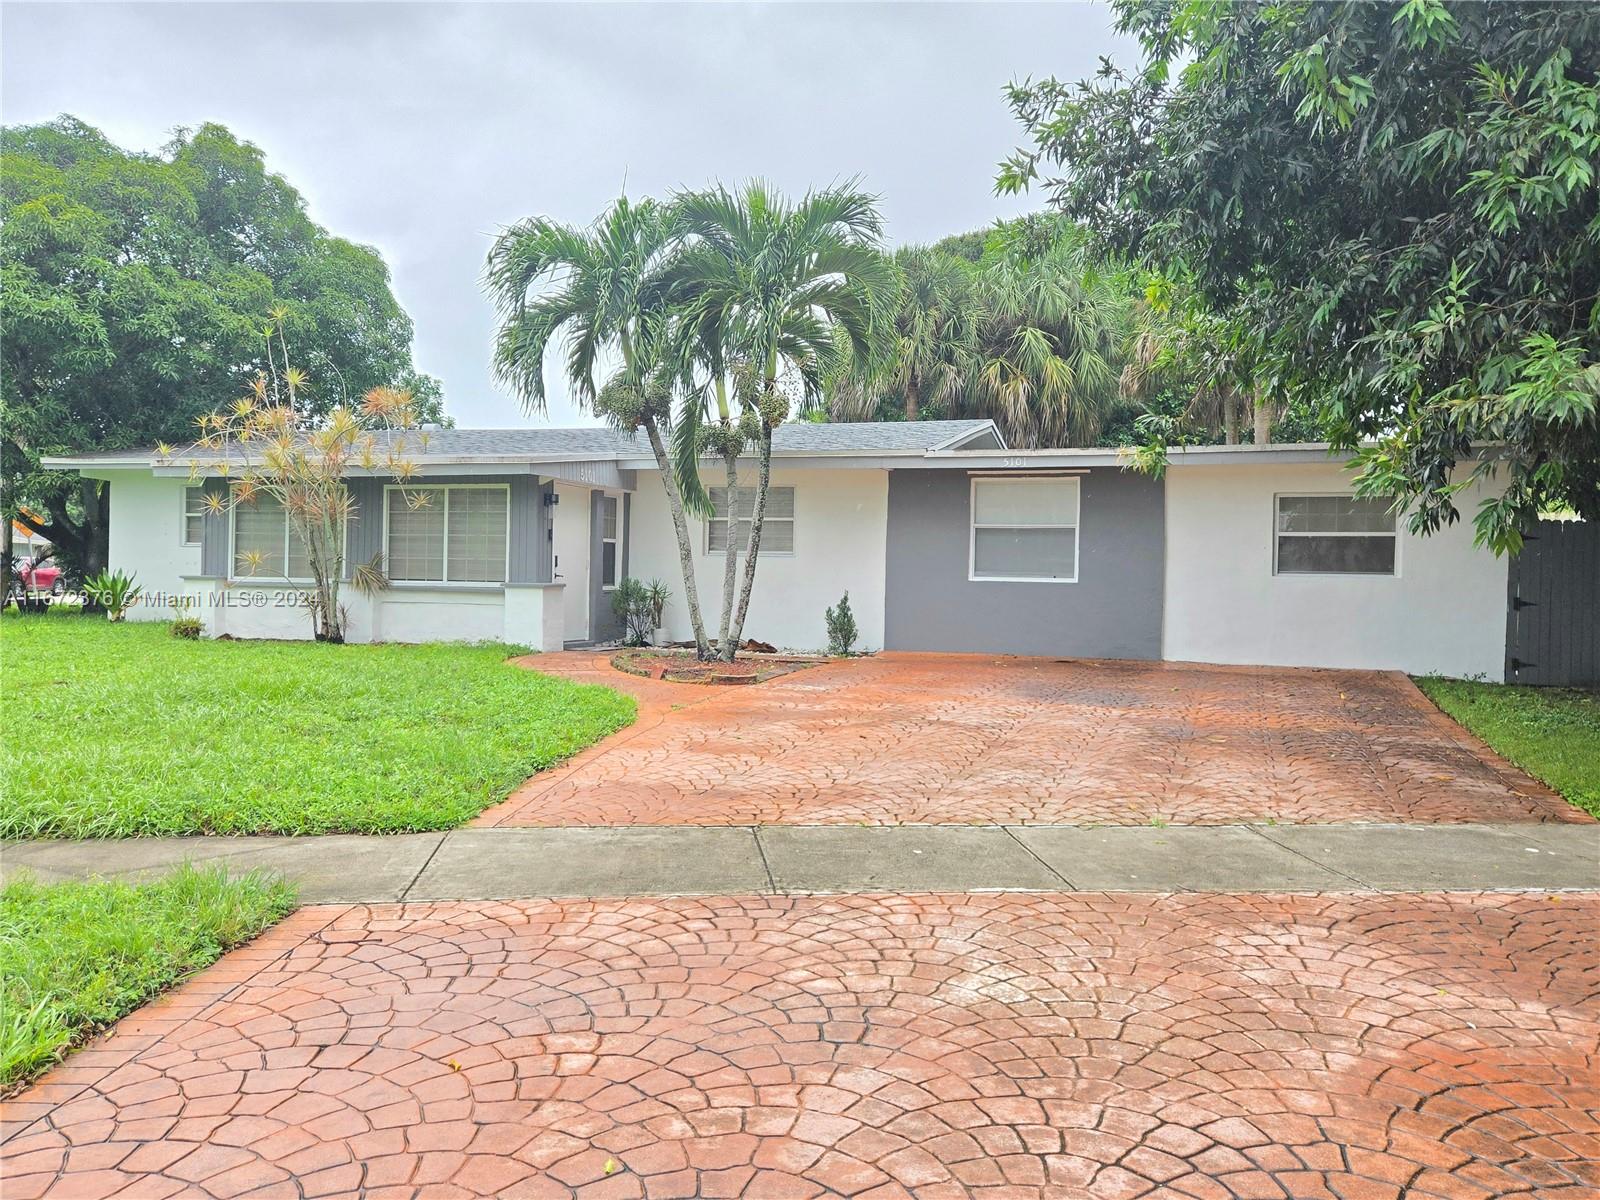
(841, 627)
(187, 627)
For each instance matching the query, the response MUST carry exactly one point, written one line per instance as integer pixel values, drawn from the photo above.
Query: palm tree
(775, 292)
(933, 356)
(602, 292)
(1055, 323)
(1029, 333)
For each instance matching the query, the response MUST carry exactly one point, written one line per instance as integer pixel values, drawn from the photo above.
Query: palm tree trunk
(1230, 417)
(730, 558)
(680, 526)
(911, 397)
(1262, 416)
(757, 519)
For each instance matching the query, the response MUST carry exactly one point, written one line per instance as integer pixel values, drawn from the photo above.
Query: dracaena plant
(271, 446)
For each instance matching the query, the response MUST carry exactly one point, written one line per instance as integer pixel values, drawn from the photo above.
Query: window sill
(442, 585)
(1017, 579)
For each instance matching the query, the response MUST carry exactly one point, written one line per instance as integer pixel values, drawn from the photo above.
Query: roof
(534, 444)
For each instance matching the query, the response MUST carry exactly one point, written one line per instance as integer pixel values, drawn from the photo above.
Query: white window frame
(1348, 495)
(616, 554)
(288, 529)
(973, 526)
(765, 553)
(184, 514)
(444, 566)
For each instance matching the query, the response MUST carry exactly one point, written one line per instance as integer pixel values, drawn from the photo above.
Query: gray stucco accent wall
(1113, 611)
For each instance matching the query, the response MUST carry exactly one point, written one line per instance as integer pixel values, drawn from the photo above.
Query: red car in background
(43, 577)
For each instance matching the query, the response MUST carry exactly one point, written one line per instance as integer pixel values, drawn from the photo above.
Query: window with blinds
(447, 534)
(777, 530)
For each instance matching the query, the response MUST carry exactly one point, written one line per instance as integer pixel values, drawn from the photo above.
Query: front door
(571, 546)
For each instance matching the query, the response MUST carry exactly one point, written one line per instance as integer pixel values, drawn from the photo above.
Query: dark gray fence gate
(1553, 626)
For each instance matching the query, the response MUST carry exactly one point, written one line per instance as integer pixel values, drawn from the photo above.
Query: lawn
(1551, 733)
(76, 956)
(124, 730)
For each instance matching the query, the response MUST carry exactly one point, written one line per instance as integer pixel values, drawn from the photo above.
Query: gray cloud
(423, 128)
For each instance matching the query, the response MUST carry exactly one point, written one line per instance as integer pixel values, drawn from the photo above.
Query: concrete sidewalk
(484, 864)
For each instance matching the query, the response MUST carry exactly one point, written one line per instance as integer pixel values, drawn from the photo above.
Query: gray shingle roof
(599, 442)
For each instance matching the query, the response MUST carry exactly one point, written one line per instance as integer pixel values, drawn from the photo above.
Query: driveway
(936, 1046)
(971, 739)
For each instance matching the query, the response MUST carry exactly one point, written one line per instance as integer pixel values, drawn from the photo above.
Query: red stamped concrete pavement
(963, 739)
(1005, 1046)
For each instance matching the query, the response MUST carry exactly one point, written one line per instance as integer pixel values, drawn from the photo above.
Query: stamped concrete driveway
(1015, 1047)
(964, 739)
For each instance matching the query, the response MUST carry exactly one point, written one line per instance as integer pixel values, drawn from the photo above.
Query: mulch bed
(678, 666)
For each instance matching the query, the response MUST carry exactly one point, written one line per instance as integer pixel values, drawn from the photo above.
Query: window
(1025, 529)
(1335, 535)
(194, 515)
(265, 545)
(608, 541)
(777, 530)
(447, 534)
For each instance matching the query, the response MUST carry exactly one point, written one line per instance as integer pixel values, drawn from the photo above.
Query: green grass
(1551, 733)
(124, 730)
(76, 956)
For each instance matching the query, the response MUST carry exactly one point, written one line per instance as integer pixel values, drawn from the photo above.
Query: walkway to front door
(969, 739)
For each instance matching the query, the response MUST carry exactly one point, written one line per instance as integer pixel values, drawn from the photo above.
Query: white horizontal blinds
(608, 541)
(265, 543)
(416, 533)
(447, 534)
(259, 544)
(777, 530)
(1025, 528)
(194, 515)
(1335, 535)
(477, 535)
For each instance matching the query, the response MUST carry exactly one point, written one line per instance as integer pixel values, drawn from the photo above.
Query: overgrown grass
(1551, 733)
(76, 956)
(125, 730)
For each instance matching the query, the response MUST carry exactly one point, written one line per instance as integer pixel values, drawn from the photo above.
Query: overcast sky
(421, 129)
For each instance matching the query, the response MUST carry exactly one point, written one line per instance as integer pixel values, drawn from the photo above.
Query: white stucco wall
(146, 539)
(841, 522)
(1444, 611)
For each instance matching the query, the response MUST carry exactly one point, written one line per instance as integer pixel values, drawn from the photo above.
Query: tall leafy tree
(1394, 204)
(134, 292)
(782, 289)
(601, 294)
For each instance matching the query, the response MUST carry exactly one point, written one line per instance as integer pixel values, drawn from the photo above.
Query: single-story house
(945, 538)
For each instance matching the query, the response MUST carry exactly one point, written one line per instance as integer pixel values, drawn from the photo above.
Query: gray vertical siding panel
(527, 522)
(365, 537)
(1113, 611)
(604, 625)
(214, 534)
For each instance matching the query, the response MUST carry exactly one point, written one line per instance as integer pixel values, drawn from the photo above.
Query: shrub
(841, 627)
(113, 591)
(640, 606)
(186, 627)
